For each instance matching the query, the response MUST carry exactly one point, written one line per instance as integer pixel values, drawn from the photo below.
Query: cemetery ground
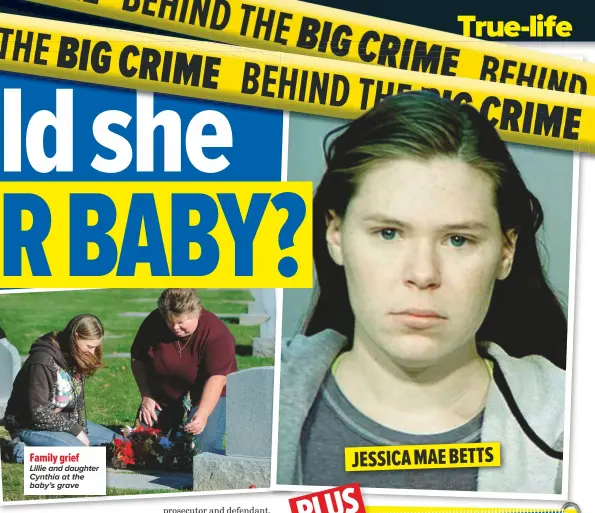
(111, 394)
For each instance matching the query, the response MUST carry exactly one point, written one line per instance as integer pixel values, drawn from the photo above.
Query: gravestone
(150, 479)
(249, 434)
(250, 412)
(10, 364)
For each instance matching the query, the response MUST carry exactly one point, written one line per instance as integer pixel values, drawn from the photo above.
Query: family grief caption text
(65, 471)
(313, 85)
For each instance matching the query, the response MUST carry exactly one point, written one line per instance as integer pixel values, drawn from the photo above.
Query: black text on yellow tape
(278, 80)
(308, 29)
(403, 457)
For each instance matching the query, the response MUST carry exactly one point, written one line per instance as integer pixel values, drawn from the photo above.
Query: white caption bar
(65, 471)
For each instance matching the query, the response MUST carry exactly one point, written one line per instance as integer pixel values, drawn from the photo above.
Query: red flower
(128, 460)
(118, 442)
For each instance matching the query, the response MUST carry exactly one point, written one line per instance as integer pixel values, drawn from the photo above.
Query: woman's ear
(333, 237)
(508, 250)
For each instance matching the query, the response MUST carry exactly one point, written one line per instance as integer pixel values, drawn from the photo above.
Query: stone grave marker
(148, 480)
(250, 412)
(249, 433)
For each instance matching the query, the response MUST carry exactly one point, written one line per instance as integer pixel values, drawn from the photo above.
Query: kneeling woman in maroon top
(182, 348)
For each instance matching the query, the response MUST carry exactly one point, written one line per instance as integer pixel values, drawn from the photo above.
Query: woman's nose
(422, 266)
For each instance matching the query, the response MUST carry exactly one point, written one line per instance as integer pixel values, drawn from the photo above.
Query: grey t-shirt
(333, 424)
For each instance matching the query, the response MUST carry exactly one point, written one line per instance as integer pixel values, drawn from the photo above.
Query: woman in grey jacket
(434, 322)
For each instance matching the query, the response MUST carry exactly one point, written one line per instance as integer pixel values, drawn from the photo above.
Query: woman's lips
(418, 318)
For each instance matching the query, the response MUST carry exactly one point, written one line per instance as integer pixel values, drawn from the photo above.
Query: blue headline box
(61, 130)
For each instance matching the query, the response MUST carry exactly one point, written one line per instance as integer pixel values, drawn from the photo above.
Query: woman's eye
(388, 233)
(457, 240)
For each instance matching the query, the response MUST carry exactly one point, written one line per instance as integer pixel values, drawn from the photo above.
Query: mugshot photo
(443, 264)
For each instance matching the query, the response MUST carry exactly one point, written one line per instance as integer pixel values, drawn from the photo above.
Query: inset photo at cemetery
(177, 384)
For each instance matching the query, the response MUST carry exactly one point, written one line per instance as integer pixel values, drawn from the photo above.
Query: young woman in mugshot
(434, 322)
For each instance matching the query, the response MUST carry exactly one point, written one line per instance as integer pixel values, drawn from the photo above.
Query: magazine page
(296, 257)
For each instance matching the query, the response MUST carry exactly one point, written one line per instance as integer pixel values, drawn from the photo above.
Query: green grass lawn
(26, 316)
(111, 394)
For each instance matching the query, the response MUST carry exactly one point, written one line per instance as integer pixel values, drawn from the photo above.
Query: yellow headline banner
(308, 29)
(406, 457)
(566, 508)
(278, 80)
(144, 235)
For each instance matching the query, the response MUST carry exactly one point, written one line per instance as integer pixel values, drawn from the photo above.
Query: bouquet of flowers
(147, 447)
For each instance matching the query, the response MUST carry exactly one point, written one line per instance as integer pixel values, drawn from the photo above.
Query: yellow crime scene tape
(308, 29)
(278, 80)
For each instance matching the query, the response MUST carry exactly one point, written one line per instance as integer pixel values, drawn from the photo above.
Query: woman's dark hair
(524, 316)
(86, 326)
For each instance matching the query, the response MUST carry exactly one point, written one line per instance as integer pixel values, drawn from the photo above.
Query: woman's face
(422, 247)
(183, 325)
(87, 345)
